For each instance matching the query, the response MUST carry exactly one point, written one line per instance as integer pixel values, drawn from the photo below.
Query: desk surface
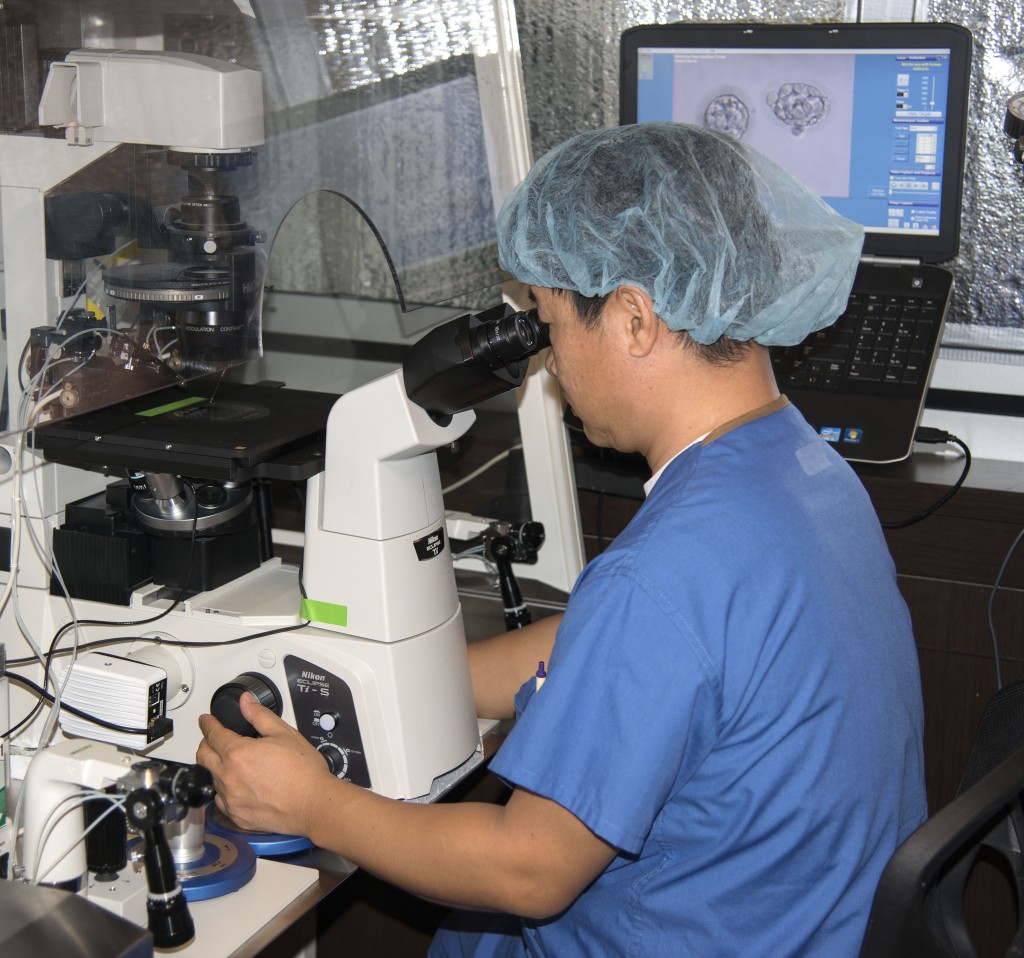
(942, 468)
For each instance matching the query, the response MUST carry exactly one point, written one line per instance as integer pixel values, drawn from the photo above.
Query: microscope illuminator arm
(149, 97)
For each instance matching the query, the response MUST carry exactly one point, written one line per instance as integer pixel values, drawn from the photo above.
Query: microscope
(127, 266)
(149, 562)
(188, 303)
(154, 798)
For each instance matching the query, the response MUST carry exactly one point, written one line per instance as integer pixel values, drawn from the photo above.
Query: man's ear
(640, 323)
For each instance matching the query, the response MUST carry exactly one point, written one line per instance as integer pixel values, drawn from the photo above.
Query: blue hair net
(724, 241)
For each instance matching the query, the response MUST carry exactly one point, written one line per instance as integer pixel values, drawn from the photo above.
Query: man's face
(579, 360)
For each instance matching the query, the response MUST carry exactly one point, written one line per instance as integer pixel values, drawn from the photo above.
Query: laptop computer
(872, 117)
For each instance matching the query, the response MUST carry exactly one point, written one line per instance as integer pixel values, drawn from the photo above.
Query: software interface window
(863, 128)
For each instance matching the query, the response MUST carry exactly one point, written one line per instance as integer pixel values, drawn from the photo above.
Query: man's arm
(530, 857)
(500, 665)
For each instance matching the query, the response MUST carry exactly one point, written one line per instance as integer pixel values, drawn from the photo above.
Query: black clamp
(505, 543)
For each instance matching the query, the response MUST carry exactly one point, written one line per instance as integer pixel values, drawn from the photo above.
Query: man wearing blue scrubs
(727, 747)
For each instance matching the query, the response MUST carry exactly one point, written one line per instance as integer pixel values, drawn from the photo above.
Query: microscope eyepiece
(508, 339)
(472, 358)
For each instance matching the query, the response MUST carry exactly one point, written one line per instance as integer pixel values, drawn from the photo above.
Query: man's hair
(722, 352)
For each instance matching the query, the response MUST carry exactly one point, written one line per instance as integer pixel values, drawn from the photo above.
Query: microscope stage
(246, 432)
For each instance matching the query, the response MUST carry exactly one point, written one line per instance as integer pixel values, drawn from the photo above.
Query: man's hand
(263, 784)
(529, 857)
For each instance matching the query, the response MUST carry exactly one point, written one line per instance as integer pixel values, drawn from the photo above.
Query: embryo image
(798, 105)
(727, 113)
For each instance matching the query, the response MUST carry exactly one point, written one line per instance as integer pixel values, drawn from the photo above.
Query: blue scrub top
(733, 702)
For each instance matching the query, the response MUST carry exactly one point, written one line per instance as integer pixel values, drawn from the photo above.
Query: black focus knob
(336, 759)
(224, 704)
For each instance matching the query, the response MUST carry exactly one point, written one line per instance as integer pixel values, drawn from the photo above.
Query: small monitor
(872, 117)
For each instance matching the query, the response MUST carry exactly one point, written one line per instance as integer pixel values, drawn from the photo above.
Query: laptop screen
(869, 116)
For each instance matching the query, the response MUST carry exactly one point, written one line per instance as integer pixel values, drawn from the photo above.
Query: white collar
(649, 485)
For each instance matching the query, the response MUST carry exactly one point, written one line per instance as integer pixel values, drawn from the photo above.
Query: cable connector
(929, 434)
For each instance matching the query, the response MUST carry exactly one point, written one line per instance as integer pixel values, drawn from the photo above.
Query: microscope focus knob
(224, 704)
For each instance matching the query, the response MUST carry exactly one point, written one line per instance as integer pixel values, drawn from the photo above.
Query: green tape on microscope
(171, 406)
(326, 612)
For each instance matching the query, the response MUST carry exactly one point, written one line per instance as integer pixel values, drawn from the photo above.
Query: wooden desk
(947, 565)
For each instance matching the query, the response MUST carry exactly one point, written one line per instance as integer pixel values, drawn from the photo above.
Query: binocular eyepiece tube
(472, 358)
(508, 339)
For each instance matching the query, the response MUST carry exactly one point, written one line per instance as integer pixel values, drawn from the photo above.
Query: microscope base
(226, 866)
(124, 896)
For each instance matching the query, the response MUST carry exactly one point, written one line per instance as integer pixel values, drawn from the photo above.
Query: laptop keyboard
(883, 339)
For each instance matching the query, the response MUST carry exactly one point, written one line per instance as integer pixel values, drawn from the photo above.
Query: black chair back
(918, 910)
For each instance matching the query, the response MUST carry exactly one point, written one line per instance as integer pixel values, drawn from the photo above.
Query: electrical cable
(935, 436)
(76, 624)
(991, 606)
(29, 684)
(28, 412)
(26, 424)
(69, 804)
(480, 470)
(176, 643)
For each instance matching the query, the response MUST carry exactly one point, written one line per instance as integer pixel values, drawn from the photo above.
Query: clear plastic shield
(139, 216)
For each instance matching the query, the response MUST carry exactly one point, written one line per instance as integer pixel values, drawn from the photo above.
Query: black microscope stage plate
(247, 432)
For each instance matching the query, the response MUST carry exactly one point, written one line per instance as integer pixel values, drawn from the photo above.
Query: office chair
(918, 907)
(1000, 731)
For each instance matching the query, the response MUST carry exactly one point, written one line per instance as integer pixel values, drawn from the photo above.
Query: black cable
(53, 652)
(928, 435)
(177, 643)
(28, 683)
(76, 623)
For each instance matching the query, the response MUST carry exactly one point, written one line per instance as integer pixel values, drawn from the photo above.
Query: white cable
(18, 523)
(63, 808)
(46, 555)
(480, 470)
(89, 275)
(151, 338)
(27, 416)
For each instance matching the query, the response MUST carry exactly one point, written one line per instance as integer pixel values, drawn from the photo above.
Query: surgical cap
(724, 241)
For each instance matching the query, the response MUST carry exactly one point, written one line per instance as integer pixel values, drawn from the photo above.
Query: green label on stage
(171, 406)
(326, 612)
